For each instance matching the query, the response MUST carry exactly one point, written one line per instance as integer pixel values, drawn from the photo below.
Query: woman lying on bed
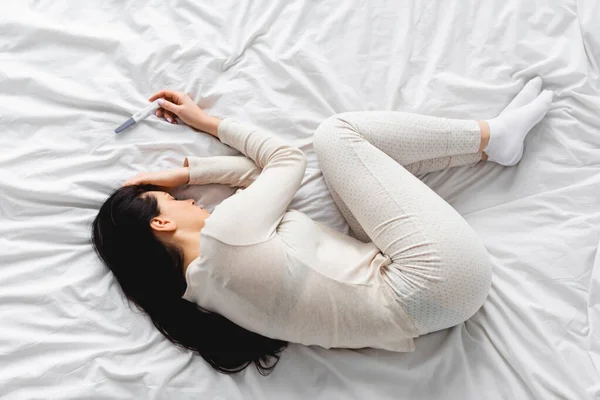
(238, 284)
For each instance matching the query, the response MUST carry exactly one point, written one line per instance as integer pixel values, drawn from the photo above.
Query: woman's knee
(468, 276)
(477, 287)
(323, 134)
(328, 133)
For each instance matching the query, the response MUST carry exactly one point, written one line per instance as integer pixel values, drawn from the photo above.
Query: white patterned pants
(440, 269)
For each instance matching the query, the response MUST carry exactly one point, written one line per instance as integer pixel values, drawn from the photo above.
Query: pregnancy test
(140, 115)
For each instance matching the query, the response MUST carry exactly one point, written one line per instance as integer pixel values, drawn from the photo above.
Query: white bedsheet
(70, 72)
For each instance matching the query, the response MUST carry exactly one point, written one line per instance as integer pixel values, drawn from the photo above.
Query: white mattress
(70, 73)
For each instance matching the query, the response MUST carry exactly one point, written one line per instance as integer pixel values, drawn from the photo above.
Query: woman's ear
(162, 224)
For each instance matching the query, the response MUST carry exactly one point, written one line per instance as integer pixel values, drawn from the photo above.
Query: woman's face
(185, 214)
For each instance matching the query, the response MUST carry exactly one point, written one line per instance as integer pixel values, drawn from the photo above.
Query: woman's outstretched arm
(233, 171)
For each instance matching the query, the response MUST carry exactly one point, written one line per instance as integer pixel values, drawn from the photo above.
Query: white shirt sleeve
(252, 215)
(234, 171)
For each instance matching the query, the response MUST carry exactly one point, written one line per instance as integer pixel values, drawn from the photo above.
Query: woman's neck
(189, 242)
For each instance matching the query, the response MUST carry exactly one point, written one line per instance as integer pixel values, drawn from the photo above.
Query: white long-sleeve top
(276, 271)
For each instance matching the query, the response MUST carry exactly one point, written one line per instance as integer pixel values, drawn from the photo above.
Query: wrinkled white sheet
(70, 72)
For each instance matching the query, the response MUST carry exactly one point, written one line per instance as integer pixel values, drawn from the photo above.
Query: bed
(71, 72)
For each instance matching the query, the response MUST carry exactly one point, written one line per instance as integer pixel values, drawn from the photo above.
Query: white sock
(509, 129)
(530, 91)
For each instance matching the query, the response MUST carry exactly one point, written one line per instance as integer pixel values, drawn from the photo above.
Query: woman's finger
(159, 113)
(167, 105)
(156, 95)
(169, 116)
(136, 180)
(167, 94)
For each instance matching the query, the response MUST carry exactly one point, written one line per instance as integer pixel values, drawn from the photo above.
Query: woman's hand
(181, 105)
(169, 179)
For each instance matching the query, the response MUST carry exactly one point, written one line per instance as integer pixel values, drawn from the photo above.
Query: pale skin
(180, 221)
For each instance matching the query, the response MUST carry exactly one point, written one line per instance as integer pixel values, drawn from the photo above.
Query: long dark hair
(151, 276)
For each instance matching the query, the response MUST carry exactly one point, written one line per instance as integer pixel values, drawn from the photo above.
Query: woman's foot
(530, 91)
(509, 129)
